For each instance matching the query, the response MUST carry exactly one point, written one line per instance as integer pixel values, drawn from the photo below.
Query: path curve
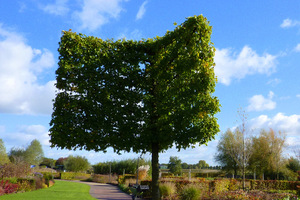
(106, 191)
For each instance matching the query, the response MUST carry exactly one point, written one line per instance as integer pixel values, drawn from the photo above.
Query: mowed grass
(61, 190)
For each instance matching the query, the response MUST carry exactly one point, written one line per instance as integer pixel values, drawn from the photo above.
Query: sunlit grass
(62, 190)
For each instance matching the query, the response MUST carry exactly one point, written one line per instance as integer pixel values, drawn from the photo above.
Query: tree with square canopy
(140, 96)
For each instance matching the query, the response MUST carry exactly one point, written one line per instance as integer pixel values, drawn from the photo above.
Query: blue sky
(257, 62)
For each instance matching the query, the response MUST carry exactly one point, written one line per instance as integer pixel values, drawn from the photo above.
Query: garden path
(106, 191)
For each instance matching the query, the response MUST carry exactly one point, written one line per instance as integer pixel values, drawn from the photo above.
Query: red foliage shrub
(8, 187)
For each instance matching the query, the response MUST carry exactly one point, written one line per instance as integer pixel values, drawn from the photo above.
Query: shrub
(143, 171)
(100, 178)
(7, 187)
(122, 179)
(124, 188)
(167, 189)
(47, 177)
(26, 184)
(190, 192)
(12, 170)
(233, 184)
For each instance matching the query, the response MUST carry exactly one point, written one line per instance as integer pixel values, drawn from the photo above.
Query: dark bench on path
(137, 190)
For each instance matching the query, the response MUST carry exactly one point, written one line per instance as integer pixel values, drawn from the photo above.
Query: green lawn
(62, 190)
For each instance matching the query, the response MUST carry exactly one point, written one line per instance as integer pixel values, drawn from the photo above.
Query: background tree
(34, 153)
(202, 164)
(48, 162)
(267, 154)
(185, 165)
(259, 160)
(239, 147)
(141, 96)
(223, 156)
(16, 155)
(77, 164)
(174, 165)
(129, 166)
(293, 164)
(3, 155)
(60, 163)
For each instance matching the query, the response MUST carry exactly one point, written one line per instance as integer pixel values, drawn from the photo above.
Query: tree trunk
(155, 172)
(244, 179)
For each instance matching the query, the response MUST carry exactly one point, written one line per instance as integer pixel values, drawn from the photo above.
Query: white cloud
(280, 122)
(288, 23)
(297, 48)
(298, 95)
(293, 142)
(260, 103)
(142, 11)
(24, 135)
(231, 66)
(58, 8)
(96, 13)
(20, 65)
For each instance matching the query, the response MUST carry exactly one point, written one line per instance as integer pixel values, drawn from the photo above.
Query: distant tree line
(261, 156)
(128, 166)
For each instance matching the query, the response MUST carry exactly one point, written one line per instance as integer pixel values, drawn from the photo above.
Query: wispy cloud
(297, 48)
(260, 103)
(288, 23)
(141, 11)
(133, 35)
(60, 7)
(274, 82)
(96, 13)
(231, 65)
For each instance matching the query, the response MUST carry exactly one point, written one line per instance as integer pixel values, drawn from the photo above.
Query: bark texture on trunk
(155, 172)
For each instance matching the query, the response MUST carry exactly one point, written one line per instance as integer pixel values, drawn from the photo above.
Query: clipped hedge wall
(273, 185)
(74, 176)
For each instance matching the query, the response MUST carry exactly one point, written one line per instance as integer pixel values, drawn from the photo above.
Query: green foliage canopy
(223, 156)
(34, 153)
(144, 96)
(174, 165)
(131, 94)
(17, 155)
(77, 164)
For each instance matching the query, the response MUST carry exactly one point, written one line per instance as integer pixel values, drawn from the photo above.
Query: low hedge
(273, 185)
(229, 185)
(74, 176)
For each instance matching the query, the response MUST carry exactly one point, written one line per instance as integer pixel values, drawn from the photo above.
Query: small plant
(143, 171)
(167, 190)
(190, 192)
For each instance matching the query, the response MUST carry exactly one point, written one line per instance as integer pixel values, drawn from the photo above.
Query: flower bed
(224, 189)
